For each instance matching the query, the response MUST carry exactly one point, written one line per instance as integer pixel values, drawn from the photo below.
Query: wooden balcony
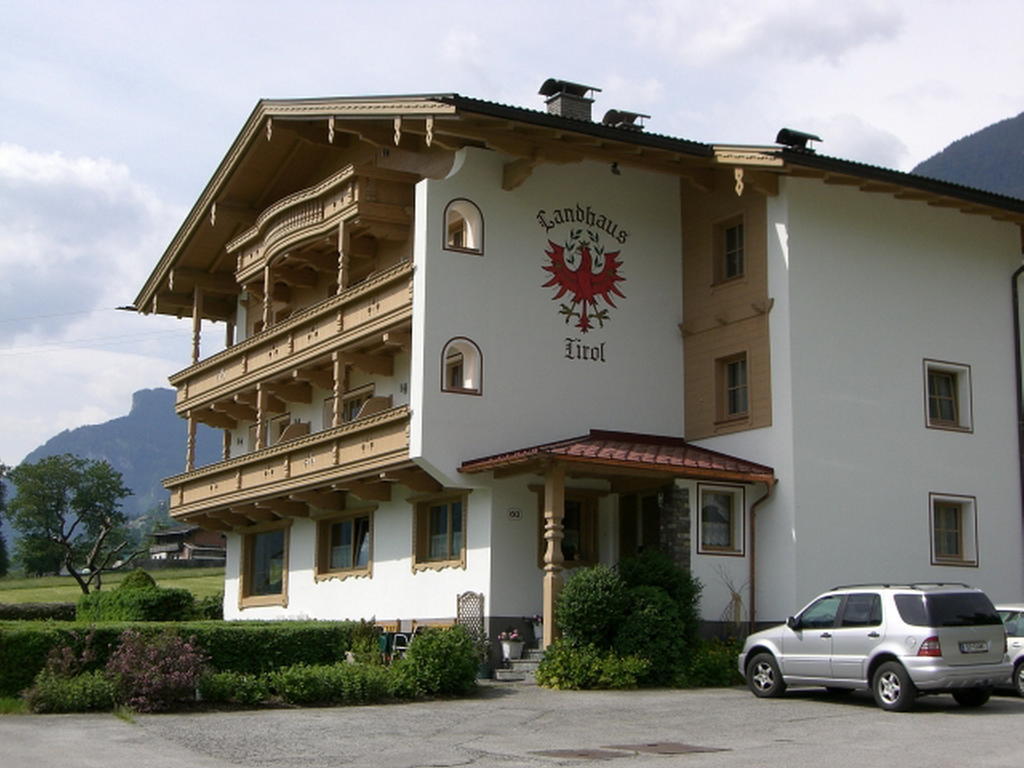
(349, 457)
(349, 320)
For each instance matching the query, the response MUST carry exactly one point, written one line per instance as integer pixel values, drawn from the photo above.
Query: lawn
(64, 589)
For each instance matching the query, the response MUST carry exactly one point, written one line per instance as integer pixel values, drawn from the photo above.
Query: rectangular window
(947, 396)
(454, 375)
(729, 251)
(721, 519)
(440, 533)
(344, 545)
(732, 386)
(264, 567)
(953, 530)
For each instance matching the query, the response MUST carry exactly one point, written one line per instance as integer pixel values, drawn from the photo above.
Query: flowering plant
(510, 634)
(536, 619)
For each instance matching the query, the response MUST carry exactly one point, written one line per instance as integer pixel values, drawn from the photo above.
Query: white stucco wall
(531, 392)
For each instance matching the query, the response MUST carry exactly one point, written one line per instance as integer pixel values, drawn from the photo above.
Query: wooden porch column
(197, 322)
(268, 288)
(190, 444)
(338, 369)
(554, 511)
(225, 452)
(229, 334)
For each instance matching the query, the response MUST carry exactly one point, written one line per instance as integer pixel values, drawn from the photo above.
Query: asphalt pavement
(509, 726)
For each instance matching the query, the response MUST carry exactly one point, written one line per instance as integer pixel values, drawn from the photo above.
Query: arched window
(463, 227)
(461, 367)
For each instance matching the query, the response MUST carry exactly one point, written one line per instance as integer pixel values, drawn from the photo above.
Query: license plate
(974, 646)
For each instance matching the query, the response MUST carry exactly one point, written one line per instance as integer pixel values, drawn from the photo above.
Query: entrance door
(639, 523)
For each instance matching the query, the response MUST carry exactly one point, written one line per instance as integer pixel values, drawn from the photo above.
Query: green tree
(73, 505)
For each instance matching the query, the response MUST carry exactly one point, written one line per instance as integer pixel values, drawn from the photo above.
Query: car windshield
(959, 609)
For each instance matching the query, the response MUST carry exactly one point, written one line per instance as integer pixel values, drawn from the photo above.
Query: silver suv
(898, 640)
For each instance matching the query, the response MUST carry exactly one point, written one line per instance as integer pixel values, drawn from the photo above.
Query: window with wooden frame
(264, 566)
(462, 367)
(948, 403)
(730, 262)
(579, 527)
(732, 390)
(721, 519)
(463, 227)
(439, 532)
(345, 545)
(954, 539)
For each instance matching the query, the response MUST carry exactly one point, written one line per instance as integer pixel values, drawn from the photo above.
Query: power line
(56, 314)
(63, 346)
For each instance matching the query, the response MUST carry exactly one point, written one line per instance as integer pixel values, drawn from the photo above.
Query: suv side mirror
(793, 623)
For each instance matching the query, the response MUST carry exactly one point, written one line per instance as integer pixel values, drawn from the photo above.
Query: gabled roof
(284, 142)
(606, 452)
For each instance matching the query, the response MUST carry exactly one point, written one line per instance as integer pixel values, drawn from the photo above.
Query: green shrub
(439, 662)
(365, 643)
(82, 693)
(652, 629)
(37, 611)
(711, 663)
(584, 666)
(137, 604)
(342, 683)
(210, 607)
(591, 605)
(155, 673)
(234, 688)
(137, 579)
(653, 568)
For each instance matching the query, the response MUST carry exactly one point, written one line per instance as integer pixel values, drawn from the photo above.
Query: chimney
(567, 99)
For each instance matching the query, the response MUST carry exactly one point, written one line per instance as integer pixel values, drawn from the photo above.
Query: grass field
(63, 589)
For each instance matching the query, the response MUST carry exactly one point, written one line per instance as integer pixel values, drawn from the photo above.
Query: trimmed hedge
(37, 611)
(137, 604)
(237, 646)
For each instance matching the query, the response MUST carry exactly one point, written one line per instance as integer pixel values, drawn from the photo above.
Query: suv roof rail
(912, 585)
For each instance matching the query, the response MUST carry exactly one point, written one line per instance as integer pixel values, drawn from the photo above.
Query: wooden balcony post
(268, 286)
(339, 388)
(229, 334)
(261, 414)
(190, 444)
(554, 511)
(343, 250)
(197, 322)
(226, 446)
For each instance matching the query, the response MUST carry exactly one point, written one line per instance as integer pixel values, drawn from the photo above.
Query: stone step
(525, 677)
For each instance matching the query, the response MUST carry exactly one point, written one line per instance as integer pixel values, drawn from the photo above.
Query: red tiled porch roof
(603, 451)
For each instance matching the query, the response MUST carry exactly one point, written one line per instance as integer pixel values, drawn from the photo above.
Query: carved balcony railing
(373, 200)
(356, 449)
(379, 303)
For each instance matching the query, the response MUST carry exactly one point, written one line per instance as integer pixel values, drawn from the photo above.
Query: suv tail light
(930, 647)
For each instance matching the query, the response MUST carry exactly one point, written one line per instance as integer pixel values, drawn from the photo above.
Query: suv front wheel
(893, 689)
(764, 678)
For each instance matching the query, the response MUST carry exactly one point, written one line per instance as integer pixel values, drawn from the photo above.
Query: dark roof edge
(902, 178)
(522, 114)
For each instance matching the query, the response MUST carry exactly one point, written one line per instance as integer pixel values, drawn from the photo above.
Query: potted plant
(538, 627)
(511, 644)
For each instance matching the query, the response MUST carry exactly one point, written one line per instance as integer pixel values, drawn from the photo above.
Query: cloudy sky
(113, 115)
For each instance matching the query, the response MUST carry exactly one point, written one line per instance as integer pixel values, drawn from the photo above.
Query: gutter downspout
(752, 578)
(1019, 376)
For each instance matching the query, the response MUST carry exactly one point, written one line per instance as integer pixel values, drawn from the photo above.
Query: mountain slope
(991, 159)
(145, 446)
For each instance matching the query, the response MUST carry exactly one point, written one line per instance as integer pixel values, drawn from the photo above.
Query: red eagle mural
(582, 268)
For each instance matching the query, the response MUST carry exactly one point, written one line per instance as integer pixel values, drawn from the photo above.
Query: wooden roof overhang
(627, 460)
(287, 145)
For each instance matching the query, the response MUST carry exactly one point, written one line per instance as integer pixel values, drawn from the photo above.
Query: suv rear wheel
(764, 678)
(893, 689)
(1018, 677)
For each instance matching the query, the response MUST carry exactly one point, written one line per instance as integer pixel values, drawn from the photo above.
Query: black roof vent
(627, 121)
(796, 139)
(567, 99)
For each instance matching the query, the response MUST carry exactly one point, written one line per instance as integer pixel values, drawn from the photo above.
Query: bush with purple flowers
(155, 673)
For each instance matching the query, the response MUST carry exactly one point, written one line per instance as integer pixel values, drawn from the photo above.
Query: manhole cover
(580, 754)
(665, 748)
